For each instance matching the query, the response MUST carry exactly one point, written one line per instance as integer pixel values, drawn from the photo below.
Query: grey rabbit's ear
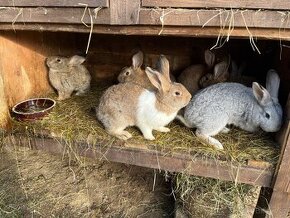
(209, 58)
(137, 59)
(273, 83)
(163, 66)
(221, 69)
(157, 79)
(76, 60)
(261, 94)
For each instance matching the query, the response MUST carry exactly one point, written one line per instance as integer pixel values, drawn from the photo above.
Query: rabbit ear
(157, 79)
(76, 60)
(273, 83)
(209, 58)
(221, 69)
(163, 66)
(261, 94)
(137, 59)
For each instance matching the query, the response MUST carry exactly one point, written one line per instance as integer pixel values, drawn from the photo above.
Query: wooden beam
(53, 3)
(184, 31)
(261, 4)
(51, 15)
(215, 18)
(153, 159)
(280, 199)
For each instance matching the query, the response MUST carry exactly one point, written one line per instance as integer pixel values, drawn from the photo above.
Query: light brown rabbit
(135, 74)
(67, 75)
(220, 74)
(128, 104)
(191, 75)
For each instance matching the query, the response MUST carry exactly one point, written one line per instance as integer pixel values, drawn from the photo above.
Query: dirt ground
(35, 184)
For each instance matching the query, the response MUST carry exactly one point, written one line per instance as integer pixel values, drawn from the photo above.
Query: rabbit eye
(127, 73)
(177, 93)
(58, 60)
(267, 116)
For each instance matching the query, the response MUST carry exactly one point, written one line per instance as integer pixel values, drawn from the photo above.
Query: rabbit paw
(124, 135)
(225, 130)
(163, 129)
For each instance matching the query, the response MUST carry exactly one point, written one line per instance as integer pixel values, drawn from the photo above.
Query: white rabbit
(129, 104)
(211, 109)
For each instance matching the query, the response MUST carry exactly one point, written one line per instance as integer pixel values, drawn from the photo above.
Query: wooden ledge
(192, 165)
(184, 31)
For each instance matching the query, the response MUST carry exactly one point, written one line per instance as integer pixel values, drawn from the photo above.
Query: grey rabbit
(212, 108)
(67, 75)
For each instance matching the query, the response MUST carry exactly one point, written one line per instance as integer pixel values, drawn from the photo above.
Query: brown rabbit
(137, 75)
(129, 104)
(191, 75)
(220, 74)
(67, 75)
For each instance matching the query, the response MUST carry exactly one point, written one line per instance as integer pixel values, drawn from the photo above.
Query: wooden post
(124, 12)
(279, 205)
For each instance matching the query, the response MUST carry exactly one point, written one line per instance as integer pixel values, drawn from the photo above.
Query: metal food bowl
(33, 109)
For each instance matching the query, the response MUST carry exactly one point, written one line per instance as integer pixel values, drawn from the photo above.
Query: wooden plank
(124, 12)
(53, 3)
(52, 15)
(215, 18)
(181, 31)
(280, 199)
(261, 4)
(153, 159)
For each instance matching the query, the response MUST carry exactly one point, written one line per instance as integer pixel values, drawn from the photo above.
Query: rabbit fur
(211, 109)
(137, 75)
(67, 75)
(129, 104)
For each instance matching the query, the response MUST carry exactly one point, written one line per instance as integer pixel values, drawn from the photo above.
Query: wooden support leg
(279, 205)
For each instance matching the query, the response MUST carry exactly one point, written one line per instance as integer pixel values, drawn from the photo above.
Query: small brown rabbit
(129, 104)
(191, 75)
(135, 73)
(220, 74)
(67, 75)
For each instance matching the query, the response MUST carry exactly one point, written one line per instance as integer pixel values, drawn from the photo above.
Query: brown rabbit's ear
(221, 69)
(209, 58)
(157, 79)
(261, 94)
(76, 60)
(163, 66)
(137, 59)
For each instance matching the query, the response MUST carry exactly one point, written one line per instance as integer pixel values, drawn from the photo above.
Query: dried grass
(74, 120)
(204, 197)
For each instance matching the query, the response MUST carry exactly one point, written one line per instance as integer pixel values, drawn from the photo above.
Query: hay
(74, 120)
(204, 197)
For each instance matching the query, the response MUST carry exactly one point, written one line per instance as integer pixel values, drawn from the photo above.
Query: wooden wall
(23, 73)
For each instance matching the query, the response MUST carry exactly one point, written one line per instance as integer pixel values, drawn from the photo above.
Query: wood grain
(52, 15)
(124, 12)
(280, 199)
(181, 31)
(150, 158)
(215, 18)
(53, 3)
(261, 4)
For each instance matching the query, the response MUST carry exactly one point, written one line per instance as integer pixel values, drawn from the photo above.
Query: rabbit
(137, 75)
(128, 104)
(191, 75)
(220, 74)
(211, 109)
(67, 75)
